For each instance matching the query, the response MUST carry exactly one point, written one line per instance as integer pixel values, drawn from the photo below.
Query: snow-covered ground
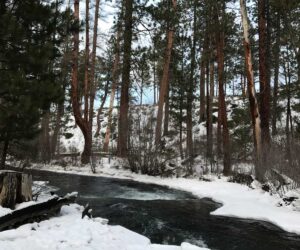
(238, 200)
(68, 232)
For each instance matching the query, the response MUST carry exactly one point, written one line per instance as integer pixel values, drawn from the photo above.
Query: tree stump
(15, 187)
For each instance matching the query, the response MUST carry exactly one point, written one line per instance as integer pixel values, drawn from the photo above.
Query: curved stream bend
(169, 216)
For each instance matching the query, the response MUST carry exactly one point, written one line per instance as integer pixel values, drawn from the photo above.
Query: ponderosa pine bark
(87, 61)
(92, 76)
(85, 157)
(209, 125)
(202, 90)
(167, 109)
(276, 75)
(124, 102)
(255, 116)
(164, 81)
(220, 39)
(264, 85)
(85, 122)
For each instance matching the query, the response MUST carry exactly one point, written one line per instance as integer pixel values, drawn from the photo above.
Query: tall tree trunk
(264, 85)
(115, 76)
(87, 61)
(190, 94)
(276, 75)
(202, 90)
(255, 116)
(164, 81)
(288, 110)
(219, 131)
(92, 84)
(180, 125)
(45, 138)
(209, 120)
(222, 105)
(167, 111)
(54, 139)
(208, 68)
(154, 83)
(85, 157)
(124, 103)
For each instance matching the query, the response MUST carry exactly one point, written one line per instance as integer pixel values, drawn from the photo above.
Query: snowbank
(68, 232)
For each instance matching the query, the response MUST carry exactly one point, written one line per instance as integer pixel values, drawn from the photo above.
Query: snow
(69, 232)
(238, 200)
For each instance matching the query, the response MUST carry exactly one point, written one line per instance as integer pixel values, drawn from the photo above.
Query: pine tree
(28, 51)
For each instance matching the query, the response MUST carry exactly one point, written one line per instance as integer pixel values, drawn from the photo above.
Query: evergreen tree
(29, 32)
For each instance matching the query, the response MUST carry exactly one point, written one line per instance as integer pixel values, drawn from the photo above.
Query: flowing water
(169, 216)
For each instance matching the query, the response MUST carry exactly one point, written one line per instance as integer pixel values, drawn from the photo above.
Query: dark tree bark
(87, 61)
(54, 138)
(209, 125)
(190, 94)
(287, 76)
(85, 123)
(225, 130)
(124, 102)
(202, 90)
(276, 75)
(167, 111)
(4, 153)
(45, 148)
(92, 87)
(85, 157)
(220, 39)
(264, 85)
(255, 115)
(164, 81)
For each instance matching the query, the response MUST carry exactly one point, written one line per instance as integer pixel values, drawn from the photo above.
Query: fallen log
(36, 212)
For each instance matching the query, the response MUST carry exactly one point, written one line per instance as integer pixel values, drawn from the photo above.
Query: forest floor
(237, 200)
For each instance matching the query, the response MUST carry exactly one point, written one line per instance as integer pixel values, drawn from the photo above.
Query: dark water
(169, 216)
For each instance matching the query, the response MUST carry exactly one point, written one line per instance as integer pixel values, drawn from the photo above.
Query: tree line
(199, 56)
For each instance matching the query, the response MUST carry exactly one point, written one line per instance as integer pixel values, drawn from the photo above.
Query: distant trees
(192, 54)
